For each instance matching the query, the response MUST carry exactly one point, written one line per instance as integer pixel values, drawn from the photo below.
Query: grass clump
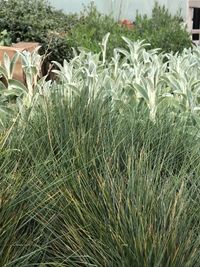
(101, 167)
(84, 187)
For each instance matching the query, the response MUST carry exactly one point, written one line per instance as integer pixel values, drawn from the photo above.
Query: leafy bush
(92, 27)
(163, 30)
(58, 32)
(28, 20)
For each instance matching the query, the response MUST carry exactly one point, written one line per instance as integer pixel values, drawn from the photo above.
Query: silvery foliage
(27, 95)
(136, 76)
(133, 77)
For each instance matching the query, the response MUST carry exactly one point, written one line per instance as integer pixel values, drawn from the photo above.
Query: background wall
(71, 6)
(121, 8)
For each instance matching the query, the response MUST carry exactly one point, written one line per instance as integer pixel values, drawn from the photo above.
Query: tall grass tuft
(83, 184)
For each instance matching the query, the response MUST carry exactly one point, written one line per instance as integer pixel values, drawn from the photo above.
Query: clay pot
(127, 23)
(11, 50)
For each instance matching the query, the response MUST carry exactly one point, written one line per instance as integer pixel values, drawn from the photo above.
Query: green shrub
(27, 20)
(37, 20)
(163, 30)
(92, 27)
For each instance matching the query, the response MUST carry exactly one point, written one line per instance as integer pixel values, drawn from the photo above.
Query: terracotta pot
(127, 23)
(11, 50)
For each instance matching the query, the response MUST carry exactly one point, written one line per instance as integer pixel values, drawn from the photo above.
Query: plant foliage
(163, 30)
(58, 33)
(37, 21)
(105, 170)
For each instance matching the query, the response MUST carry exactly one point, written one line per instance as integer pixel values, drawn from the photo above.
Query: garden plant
(101, 166)
(59, 33)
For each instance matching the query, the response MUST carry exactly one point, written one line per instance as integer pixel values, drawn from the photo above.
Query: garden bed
(100, 166)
